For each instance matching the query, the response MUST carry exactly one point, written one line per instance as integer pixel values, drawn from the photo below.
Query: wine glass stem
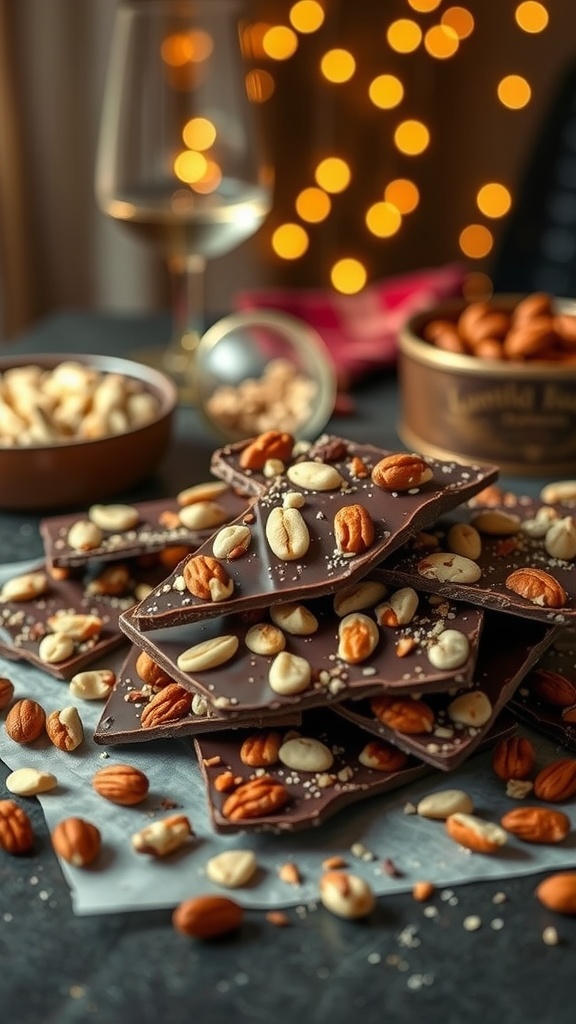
(187, 283)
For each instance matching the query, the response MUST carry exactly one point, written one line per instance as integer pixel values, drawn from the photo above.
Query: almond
(558, 892)
(553, 688)
(557, 781)
(206, 917)
(121, 784)
(475, 833)
(537, 586)
(537, 824)
(272, 444)
(346, 895)
(513, 757)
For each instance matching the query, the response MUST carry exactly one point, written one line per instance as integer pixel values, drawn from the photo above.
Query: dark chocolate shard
(508, 651)
(542, 700)
(242, 683)
(259, 576)
(313, 797)
(501, 554)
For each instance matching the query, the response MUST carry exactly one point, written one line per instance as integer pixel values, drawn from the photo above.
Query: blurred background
(404, 134)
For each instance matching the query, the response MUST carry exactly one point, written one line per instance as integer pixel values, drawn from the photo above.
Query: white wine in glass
(181, 159)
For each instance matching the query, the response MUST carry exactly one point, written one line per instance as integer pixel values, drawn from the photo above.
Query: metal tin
(519, 415)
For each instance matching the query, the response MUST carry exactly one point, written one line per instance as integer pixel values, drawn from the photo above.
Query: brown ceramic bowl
(518, 414)
(71, 473)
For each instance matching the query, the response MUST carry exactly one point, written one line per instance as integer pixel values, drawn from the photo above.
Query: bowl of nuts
(492, 381)
(75, 429)
(262, 370)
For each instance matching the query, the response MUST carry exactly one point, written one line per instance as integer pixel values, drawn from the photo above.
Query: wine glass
(181, 160)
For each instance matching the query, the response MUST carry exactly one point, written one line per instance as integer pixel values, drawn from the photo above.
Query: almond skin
(558, 892)
(207, 917)
(553, 688)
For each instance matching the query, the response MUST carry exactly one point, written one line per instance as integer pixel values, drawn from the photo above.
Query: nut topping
(401, 472)
(287, 534)
(353, 529)
(358, 638)
(208, 654)
(207, 579)
(537, 586)
(256, 798)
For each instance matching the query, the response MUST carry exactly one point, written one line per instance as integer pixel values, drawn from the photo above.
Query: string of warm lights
(411, 137)
(269, 45)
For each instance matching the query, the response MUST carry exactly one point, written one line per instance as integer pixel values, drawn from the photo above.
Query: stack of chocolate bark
(344, 620)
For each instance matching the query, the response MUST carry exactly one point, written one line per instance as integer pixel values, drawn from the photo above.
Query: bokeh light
(494, 199)
(411, 137)
(338, 65)
(383, 219)
(290, 241)
(514, 92)
(403, 193)
(348, 276)
(460, 19)
(306, 16)
(477, 287)
(441, 42)
(476, 241)
(404, 35)
(386, 91)
(190, 166)
(333, 174)
(313, 205)
(280, 42)
(424, 6)
(531, 16)
(260, 85)
(210, 180)
(199, 133)
(183, 48)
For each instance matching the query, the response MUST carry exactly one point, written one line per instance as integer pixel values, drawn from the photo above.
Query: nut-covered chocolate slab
(25, 624)
(319, 525)
(545, 587)
(243, 683)
(546, 698)
(452, 725)
(312, 796)
(158, 526)
(120, 721)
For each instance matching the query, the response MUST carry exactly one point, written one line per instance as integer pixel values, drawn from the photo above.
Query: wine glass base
(179, 369)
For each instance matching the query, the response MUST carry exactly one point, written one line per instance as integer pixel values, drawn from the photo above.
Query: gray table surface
(59, 968)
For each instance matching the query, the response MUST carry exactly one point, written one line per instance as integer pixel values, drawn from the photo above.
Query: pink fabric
(360, 331)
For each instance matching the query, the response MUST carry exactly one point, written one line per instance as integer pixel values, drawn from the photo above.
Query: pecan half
(400, 472)
(261, 749)
(168, 705)
(557, 781)
(537, 824)
(353, 529)
(256, 798)
(207, 579)
(537, 586)
(513, 757)
(404, 714)
(272, 444)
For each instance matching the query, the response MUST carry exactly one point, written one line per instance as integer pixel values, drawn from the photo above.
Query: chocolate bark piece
(542, 701)
(23, 624)
(242, 683)
(501, 555)
(507, 654)
(120, 719)
(259, 576)
(314, 797)
(155, 531)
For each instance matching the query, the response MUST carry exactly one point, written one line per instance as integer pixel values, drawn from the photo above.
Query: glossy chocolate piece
(311, 803)
(120, 719)
(508, 651)
(147, 537)
(543, 716)
(497, 561)
(242, 684)
(23, 624)
(259, 576)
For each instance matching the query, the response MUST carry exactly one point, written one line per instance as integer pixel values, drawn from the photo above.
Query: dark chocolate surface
(532, 709)
(260, 577)
(23, 624)
(313, 799)
(508, 651)
(497, 561)
(242, 683)
(120, 719)
(148, 536)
